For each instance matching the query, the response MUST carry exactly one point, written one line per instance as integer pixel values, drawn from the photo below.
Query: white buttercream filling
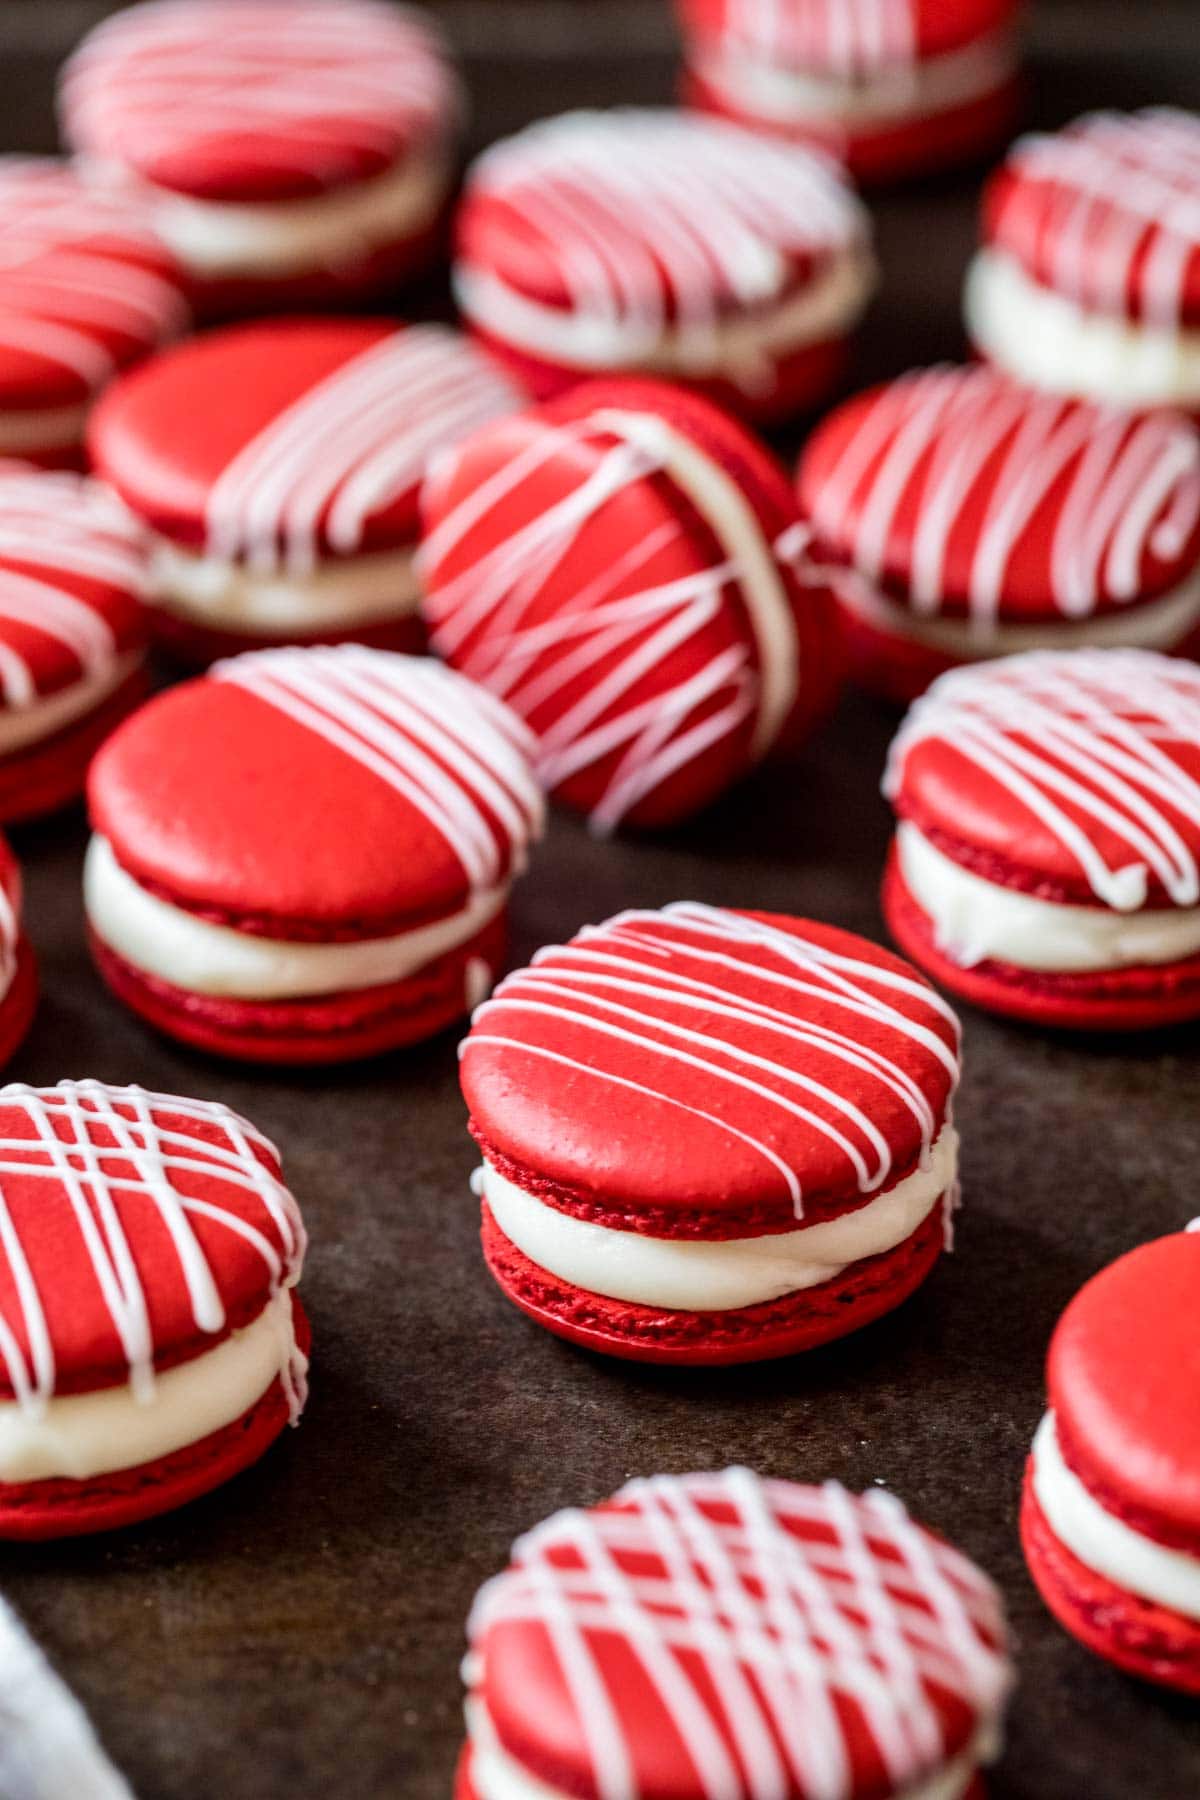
(344, 591)
(495, 1775)
(697, 1275)
(905, 90)
(975, 920)
(224, 239)
(80, 1436)
(29, 431)
(21, 726)
(743, 348)
(1158, 624)
(202, 958)
(1104, 1543)
(1048, 341)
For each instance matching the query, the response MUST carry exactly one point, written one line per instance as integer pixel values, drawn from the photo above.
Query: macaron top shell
(330, 793)
(1076, 774)
(258, 100)
(1105, 213)
(140, 1229)
(645, 219)
(843, 38)
(697, 1059)
(724, 1634)
(85, 286)
(282, 441)
(1123, 1375)
(72, 576)
(959, 492)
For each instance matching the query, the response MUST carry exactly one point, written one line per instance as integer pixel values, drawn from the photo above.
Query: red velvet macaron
(712, 1136)
(958, 515)
(18, 970)
(305, 856)
(1047, 856)
(895, 87)
(721, 1634)
(86, 289)
(73, 630)
(1088, 279)
(277, 466)
(1111, 1513)
(152, 1344)
(654, 242)
(619, 566)
(292, 152)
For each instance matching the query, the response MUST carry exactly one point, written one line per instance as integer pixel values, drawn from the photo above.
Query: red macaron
(305, 856)
(152, 1342)
(276, 466)
(651, 242)
(958, 515)
(292, 152)
(86, 289)
(18, 970)
(1088, 279)
(620, 567)
(896, 88)
(73, 631)
(722, 1634)
(1110, 1520)
(712, 1136)
(1047, 856)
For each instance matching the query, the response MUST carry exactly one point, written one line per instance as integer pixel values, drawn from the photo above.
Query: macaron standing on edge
(958, 515)
(651, 242)
(895, 88)
(721, 1634)
(276, 466)
(305, 856)
(1046, 863)
(291, 152)
(146, 1362)
(620, 567)
(1088, 279)
(711, 1136)
(1110, 1519)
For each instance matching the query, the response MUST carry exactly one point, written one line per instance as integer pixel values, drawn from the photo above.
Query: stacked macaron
(276, 466)
(86, 288)
(290, 151)
(153, 1343)
(958, 515)
(619, 567)
(305, 856)
(73, 575)
(896, 87)
(1111, 1515)
(718, 1635)
(712, 1136)
(1047, 856)
(1088, 281)
(649, 242)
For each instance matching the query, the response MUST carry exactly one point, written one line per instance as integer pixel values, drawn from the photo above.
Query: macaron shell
(19, 1004)
(50, 774)
(932, 26)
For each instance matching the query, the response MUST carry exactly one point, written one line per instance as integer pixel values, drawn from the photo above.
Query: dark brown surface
(300, 1632)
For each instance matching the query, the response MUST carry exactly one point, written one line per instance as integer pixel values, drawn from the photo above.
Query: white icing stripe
(527, 664)
(616, 997)
(760, 1615)
(448, 748)
(357, 440)
(91, 1173)
(1105, 1543)
(853, 39)
(706, 1275)
(965, 442)
(1119, 202)
(652, 216)
(1095, 735)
